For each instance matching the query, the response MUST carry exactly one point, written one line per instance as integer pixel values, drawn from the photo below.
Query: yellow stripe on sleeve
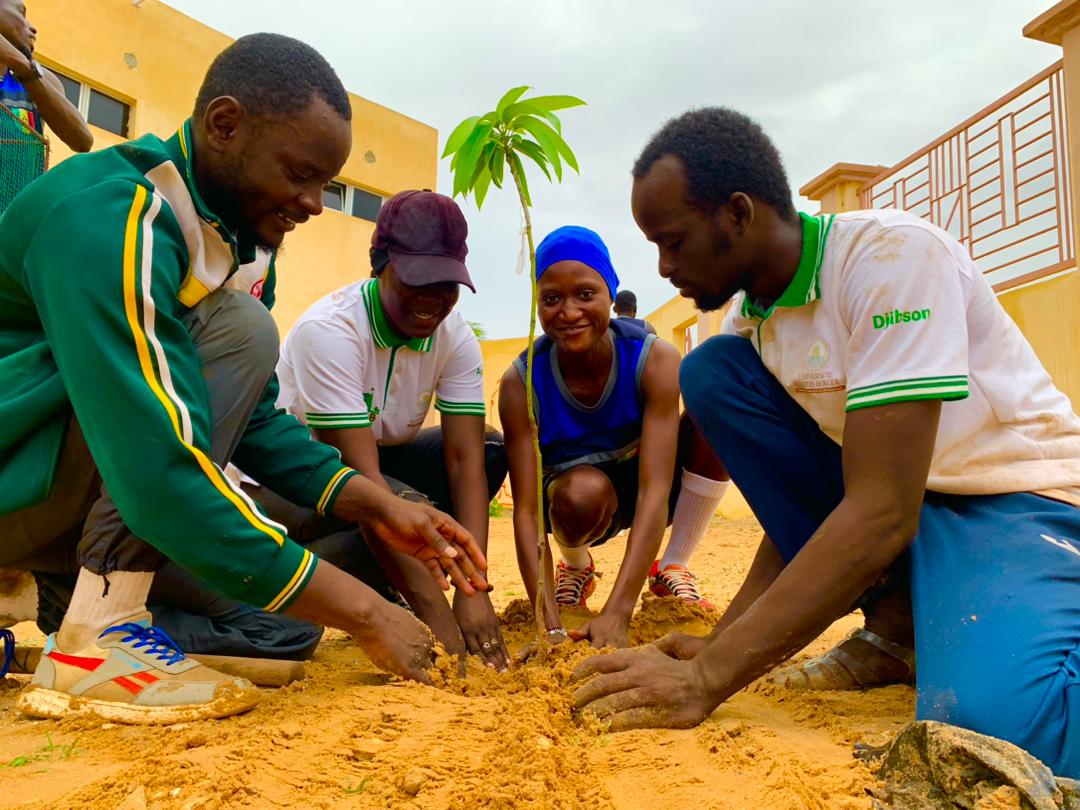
(131, 234)
(330, 488)
(297, 578)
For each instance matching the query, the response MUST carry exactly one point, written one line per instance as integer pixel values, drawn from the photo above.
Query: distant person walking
(625, 307)
(30, 97)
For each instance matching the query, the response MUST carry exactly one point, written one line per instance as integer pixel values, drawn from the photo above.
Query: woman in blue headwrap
(607, 399)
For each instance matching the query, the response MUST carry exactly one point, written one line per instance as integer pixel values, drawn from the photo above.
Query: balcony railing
(998, 182)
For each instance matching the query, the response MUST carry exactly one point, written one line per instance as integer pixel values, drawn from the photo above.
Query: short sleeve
(328, 374)
(460, 388)
(903, 300)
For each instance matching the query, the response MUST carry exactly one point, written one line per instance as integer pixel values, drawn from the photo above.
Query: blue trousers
(995, 580)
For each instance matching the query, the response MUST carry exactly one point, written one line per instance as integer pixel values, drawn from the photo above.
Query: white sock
(698, 500)
(578, 557)
(96, 606)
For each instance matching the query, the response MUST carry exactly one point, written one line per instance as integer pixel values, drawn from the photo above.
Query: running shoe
(574, 586)
(677, 580)
(134, 673)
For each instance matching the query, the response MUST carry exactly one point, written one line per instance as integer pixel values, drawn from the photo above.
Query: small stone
(290, 731)
(413, 780)
(196, 739)
(543, 743)
(368, 749)
(174, 792)
(136, 800)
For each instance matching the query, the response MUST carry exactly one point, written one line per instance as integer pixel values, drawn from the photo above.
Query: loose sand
(349, 737)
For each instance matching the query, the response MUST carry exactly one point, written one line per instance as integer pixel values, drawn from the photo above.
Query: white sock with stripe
(97, 605)
(576, 557)
(698, 500)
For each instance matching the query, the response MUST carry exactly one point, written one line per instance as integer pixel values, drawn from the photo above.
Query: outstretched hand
(641, 688)
(606, 630)
(433, 537)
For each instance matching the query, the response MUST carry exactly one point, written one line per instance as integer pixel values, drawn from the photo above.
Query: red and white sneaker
(677, 580)
(574, 586)
(133, 673)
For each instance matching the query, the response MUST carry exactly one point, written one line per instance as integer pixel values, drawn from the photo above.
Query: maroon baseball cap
(424, 233)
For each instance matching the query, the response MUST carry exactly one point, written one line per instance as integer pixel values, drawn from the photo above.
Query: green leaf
(546, 137)
(515, 111)
(519, 176)
(458, 136)
(497, 164)
(552, 103)
(467, 157)
(480, 185)
(482, 163)
(510, 97)
(560, 146)
(533, 151)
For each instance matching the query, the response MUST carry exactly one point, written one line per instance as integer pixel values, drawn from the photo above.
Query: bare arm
(360, 451)
(48, 96)
(886, 458)
(656, 465)
(463, 445)
(522, 460)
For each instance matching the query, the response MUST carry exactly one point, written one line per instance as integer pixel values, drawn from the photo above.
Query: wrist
(30, 74)
(357, 500)
(713, 679)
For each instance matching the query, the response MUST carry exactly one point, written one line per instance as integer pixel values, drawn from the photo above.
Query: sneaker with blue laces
(133, 673)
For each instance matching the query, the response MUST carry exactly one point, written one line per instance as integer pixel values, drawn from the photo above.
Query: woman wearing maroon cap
(362, 367)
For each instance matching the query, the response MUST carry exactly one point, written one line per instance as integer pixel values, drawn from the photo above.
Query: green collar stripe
(382, 333)
(805, 286)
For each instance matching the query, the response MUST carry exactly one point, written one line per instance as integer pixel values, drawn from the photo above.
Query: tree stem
(541, 533)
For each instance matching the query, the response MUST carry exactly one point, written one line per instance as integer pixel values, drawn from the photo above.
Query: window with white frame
(351, 200)
(97, 107)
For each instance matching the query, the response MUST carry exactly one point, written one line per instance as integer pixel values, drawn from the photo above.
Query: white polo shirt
(343, 366)
(886, 307)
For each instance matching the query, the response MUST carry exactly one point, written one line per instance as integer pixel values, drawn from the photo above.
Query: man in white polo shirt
(870, 398)
(363, 366)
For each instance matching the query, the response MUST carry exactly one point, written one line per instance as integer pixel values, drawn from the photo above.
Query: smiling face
(264, 176)
(15, 27)
(698, 253)
(416, 312)
(574, 306)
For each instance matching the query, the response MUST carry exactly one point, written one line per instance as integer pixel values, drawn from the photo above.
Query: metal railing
(998, 182)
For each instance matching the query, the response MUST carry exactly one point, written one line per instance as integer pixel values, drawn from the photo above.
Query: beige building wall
(96, 41)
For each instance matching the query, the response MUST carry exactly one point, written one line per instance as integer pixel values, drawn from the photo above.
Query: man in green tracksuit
(136, 360)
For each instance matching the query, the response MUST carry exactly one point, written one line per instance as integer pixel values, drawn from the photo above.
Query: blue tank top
(610, 430)
(14, 96)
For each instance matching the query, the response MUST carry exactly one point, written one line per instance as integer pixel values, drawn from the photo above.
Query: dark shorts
(624, 478)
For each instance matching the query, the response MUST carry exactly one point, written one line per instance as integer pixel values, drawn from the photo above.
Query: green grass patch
(47, 753)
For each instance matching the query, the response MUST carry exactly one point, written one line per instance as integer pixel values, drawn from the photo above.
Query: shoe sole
(49, 704)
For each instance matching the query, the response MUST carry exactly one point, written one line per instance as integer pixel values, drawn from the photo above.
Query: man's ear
(740, 212)
(221, 120)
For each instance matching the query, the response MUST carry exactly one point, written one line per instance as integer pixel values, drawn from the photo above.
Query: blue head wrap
(573, 243)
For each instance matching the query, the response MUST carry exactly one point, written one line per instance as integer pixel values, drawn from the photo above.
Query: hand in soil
(479, 627)
(606, 630)
(399, 643)
(642, 688)
(434, 538)
(555, 637)
(680, 646)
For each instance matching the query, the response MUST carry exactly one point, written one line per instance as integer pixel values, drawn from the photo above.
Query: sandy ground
(350, 737)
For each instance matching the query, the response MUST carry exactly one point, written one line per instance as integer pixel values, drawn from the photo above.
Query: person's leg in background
(700, 484)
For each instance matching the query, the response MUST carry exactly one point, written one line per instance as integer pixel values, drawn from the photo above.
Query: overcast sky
(833, 80)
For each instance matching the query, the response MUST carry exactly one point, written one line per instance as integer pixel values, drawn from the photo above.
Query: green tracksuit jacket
(99, 260)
